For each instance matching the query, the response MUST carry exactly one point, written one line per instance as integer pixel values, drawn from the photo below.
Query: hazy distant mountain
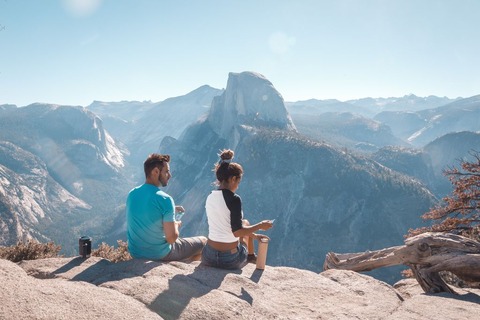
(428, 164)
(449, 149)
(119, 117)
(412, 162)
(348, 124)
(406, 103)
(402, 123)
(367, 107)
(422, 127)
(61, 170)
(447, 152)
(142, 125)
(322, 198)
(5, 107)
(347, 130)
(316, 107)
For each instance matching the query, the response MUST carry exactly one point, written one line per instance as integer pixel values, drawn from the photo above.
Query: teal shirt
(147, 209)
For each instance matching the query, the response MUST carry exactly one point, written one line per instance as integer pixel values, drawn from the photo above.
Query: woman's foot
(252, 258)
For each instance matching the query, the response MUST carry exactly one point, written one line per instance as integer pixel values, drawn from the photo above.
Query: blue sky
(76, 51)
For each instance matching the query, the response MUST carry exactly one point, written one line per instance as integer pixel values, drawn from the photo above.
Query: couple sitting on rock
(153, 232)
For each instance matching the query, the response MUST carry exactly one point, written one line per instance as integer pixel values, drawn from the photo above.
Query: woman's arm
(248, 230)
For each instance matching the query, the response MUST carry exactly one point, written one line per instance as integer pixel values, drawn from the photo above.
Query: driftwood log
(426, 254)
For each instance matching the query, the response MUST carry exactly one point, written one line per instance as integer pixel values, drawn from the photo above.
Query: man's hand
(179, 209)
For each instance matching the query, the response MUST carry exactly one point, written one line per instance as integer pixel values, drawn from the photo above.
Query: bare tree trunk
(426, 254)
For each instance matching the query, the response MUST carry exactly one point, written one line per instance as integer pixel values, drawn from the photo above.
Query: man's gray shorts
(184, 248)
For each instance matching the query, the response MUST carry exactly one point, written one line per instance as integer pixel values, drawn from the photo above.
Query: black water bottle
(85, 246)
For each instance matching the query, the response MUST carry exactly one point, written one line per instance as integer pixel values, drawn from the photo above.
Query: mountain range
(336, 176)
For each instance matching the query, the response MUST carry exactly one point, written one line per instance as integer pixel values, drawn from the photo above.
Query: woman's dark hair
(153, 161)
(225, 168)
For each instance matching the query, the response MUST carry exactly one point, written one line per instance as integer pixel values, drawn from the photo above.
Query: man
(152, 231)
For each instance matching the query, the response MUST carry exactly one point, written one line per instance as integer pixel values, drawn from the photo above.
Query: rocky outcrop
(249, 99)
(76, 288)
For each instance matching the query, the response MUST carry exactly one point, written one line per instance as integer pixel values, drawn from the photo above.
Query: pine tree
(459, 212)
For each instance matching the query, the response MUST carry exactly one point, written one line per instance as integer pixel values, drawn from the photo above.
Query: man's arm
(171, 231)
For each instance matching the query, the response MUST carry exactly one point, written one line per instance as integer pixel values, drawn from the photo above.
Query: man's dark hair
(155, 160)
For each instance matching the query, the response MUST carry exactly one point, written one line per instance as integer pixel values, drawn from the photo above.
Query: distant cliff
(59, 172)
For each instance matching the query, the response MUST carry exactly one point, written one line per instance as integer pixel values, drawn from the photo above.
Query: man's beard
(162, 183)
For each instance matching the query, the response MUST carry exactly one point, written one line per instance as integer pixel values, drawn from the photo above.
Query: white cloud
(82, 8)
(280, 43)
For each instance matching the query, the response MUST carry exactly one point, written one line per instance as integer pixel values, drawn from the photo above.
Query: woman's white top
(224, 215)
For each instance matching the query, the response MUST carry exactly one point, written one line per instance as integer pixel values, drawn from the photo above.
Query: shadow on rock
(75, 262)
(468, 297)
(183, 288)
(256, 275)
(102, 271)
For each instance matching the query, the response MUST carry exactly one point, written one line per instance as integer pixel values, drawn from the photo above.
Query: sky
(73, 52)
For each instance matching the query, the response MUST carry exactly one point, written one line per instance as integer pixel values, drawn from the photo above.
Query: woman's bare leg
(250, 245)
(248, 241)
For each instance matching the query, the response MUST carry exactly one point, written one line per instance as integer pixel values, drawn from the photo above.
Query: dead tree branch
(426, 254)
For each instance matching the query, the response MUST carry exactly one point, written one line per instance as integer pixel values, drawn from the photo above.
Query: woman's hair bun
(226, 154)
(225, 168)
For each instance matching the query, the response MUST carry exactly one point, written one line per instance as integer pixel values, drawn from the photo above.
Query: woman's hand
(266, 224)
(248, 229)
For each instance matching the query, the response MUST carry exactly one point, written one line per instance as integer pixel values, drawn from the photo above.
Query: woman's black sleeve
(234, 204)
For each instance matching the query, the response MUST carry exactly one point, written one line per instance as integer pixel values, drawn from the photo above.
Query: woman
(228, 232)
